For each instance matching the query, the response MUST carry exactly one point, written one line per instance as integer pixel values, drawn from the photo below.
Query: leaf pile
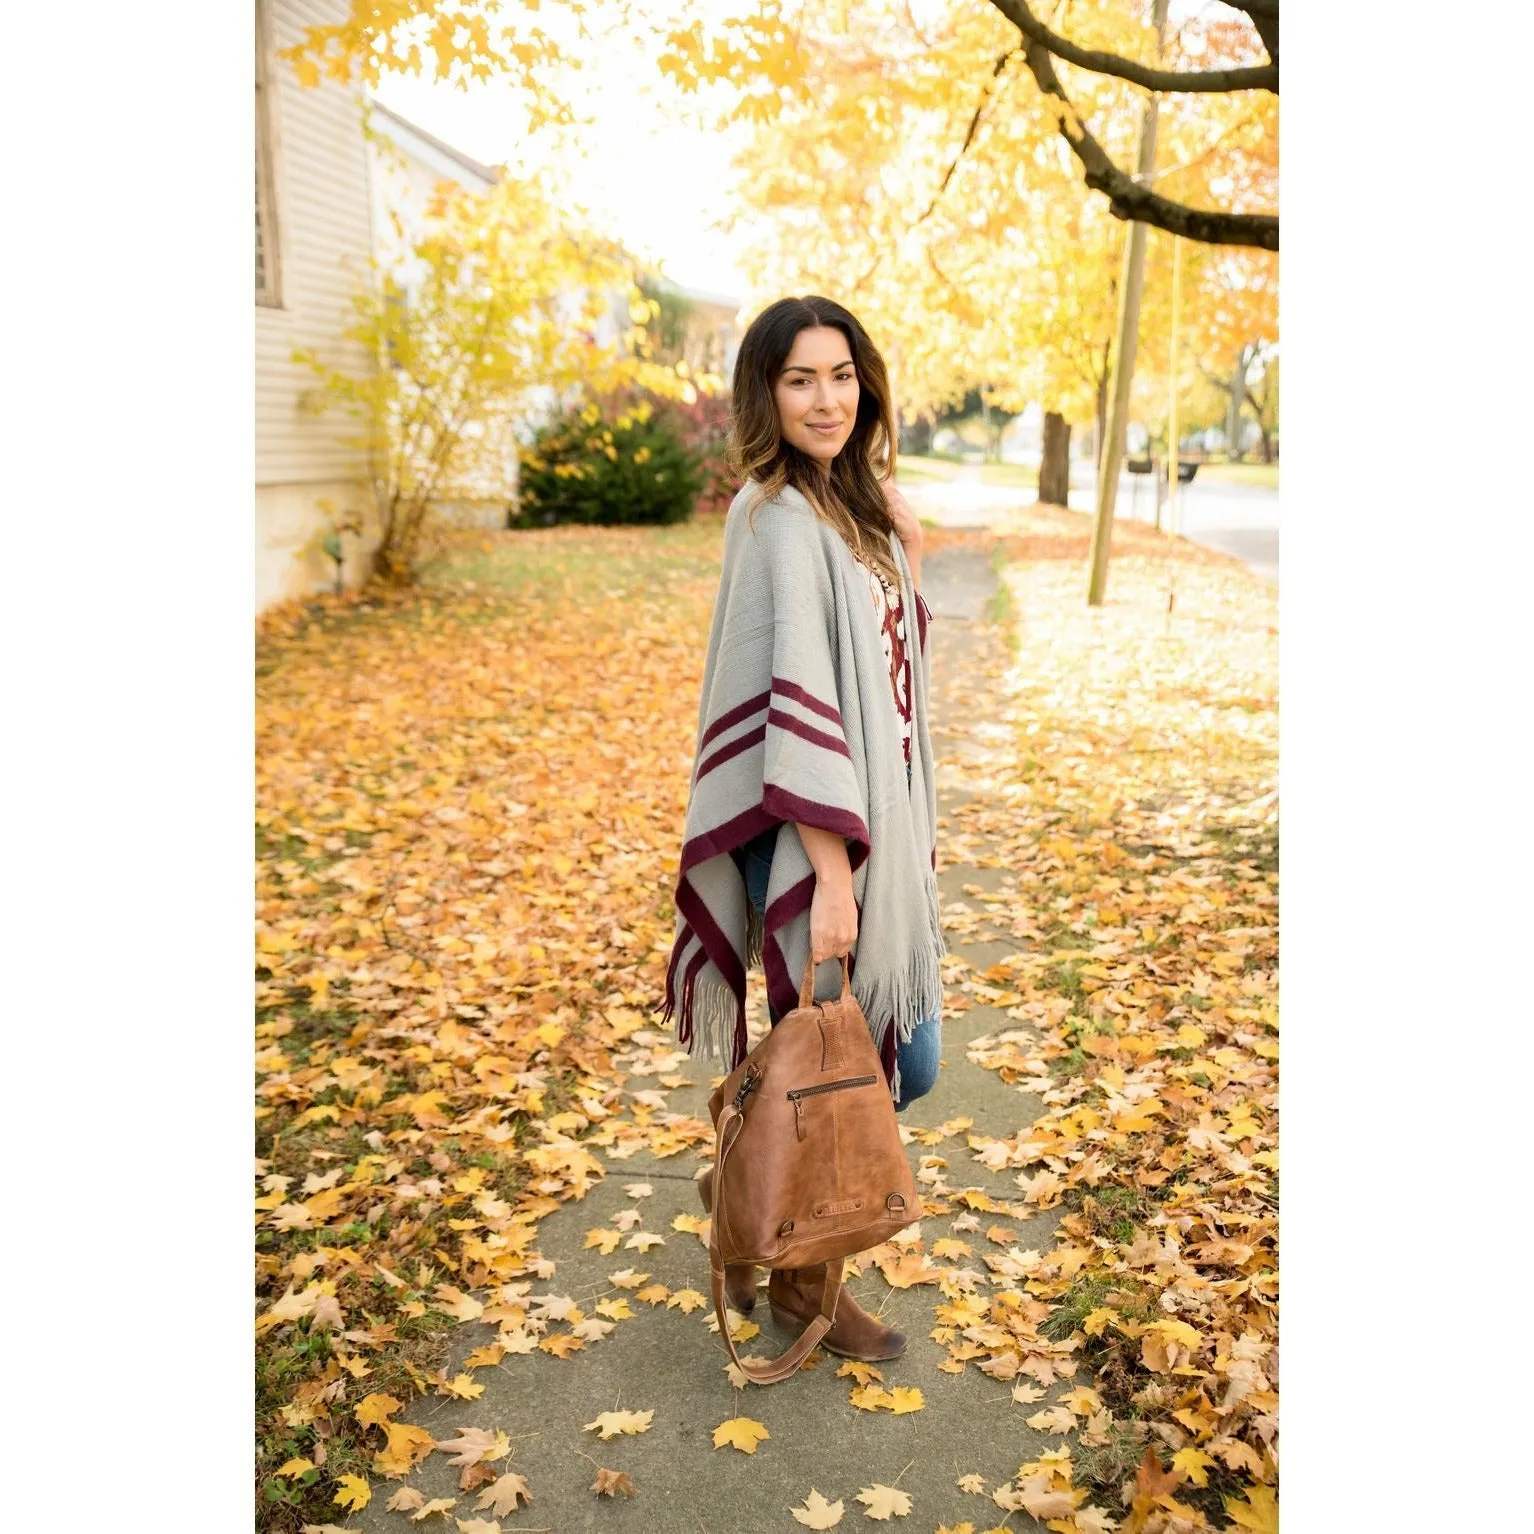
(469, 802)
(1131, 801)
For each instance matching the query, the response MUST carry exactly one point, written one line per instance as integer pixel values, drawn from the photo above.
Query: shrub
(702, 426)
(609, 463)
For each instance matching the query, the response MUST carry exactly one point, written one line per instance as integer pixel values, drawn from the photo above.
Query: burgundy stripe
(808, 699)
(783, 988)
(682, 938)
(922, 615)
(782, 805)
(684, 1025)
(716, 945)
(734, 716)
(735, 747)
(726, 838)
(807, 732)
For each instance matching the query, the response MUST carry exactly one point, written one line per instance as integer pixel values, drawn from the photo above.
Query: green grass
(924, 470)
(581, 562)
(921, 470)
(1263, 474)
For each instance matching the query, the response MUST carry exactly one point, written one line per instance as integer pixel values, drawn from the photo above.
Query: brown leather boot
(794, 1294)
(739, 1277)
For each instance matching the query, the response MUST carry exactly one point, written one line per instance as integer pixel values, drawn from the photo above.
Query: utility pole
(1173, 477)
(1124, 350)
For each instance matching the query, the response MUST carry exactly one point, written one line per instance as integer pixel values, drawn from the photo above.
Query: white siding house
(313, 242)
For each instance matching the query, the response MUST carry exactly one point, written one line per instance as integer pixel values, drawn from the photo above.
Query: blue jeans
(918, 1057)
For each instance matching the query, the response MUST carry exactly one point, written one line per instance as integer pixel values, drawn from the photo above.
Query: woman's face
(818, 387)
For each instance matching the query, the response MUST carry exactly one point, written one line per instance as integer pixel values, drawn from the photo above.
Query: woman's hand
(907, 527)
(833, 910)
(833, 919)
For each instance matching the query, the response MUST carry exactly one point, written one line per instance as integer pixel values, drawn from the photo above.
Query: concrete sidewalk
(671, 1363)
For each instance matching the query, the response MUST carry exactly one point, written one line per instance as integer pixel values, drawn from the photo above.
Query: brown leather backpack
(808, 1164)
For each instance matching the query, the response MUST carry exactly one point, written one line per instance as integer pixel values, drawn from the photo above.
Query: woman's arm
(833, 911)
(907, 529)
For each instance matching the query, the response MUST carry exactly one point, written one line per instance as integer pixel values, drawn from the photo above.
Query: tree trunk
(1101, 419)
(1055, 466)
(1133, 275)
(1234, 402)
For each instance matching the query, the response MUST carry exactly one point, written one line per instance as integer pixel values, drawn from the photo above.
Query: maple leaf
(1033, 1494)
(1194, 1464)
(607, 1240)
(904, 1399)
(971, 1483)
(817, 1513)
(610, 1482)
(947, 1246)
(294, 1467)
(615, 1310)
(454, 1302)
(354, 1493)
(696, 1224)
(870, 1397)
(884, 1501)
(609, 1423)
(439, 1507)
(486, 1357)
(1259, 1512)
(406, 1500)
(1151, 1480)
(1057, 1419)
(501, 1497)
(643, 1240)
(627, 1278)
(477, 1526)
(592, 1330)
(517, 1341)
(638, 1189)
(474, 1444)
(556, 1307)
(910, 1269)
(627, 1219)
(406, 1446)
(462, 1387)
(471, 1477)
(858, 1370)
(743, 1433)
(562, 1345)
(688, 1300)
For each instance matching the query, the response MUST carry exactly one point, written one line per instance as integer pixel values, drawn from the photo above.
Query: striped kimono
(797, 725)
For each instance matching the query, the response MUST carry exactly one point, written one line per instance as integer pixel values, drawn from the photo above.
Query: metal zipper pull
(799, 1117)
(747, 1085)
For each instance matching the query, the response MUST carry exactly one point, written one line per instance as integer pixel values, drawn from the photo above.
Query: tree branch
(969, 137)
(1263, 77)
(1128, 198)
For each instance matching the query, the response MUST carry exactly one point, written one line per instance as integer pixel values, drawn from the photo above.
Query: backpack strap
(786, 1363)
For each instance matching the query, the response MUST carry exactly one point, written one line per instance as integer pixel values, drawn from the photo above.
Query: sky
(647, 177)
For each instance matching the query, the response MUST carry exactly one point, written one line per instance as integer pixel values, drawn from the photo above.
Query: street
(1237, 519)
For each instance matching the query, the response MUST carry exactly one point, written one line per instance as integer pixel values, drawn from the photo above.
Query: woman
(810, 826)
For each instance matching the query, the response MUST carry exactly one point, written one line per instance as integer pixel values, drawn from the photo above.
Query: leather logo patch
(841, 1206)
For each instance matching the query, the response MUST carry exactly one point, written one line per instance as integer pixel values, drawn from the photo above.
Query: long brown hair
(850, 497)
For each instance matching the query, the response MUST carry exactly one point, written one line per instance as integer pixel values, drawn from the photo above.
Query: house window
(268, 286)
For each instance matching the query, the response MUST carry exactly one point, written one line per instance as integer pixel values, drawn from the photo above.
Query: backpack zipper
(796, 1095)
